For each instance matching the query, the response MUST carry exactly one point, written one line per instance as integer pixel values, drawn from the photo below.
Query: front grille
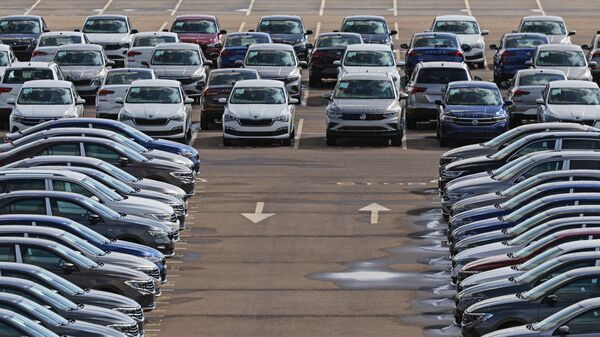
(111, 46)
(86, 83)
(135, 313)
(362, 128)
(130, 330)
(255, 122)
(151, 121)
(164, 133)
(279, 132)
(363, 117)
(155, 273)
(175, 236)
(179, 209)
(149, 286)
(173, 217)
(34, 121)
(475, 121)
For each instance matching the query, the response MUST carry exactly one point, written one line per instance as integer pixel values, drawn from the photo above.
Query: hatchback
(142, 45)
(329, 47)
(287, 29)
(432, 47)
(83, 64)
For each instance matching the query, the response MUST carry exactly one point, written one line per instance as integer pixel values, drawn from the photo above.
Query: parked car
(16, 325)
(236, 45)
(22, 32)
(203, 30)
(593, 55)
(219, 85)
(115, 85)
(432, 47)
(329, 47)
(371, 58)
(83, 64)
(49, 42)
(552, 26)
(469, 33)
(567, 58)
(7, 58)
(43, 100)
(112, 32)
(570, 101)
(287, 29)
(512, 53)
(142, 45)
(373, 29)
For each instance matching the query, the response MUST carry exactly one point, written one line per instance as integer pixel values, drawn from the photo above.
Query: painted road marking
(249, 10)
(468, 7)
(395, 8)
(539, 4)
(374, 208)
(298, 133)
(32, 7)
(242, 25)
(105, 7)
(258, 214)
(322, 8)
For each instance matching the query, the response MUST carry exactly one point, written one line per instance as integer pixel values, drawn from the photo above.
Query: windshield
(126, 77)
(195, 26)
(230, 77)
(576, 96)
(538, 259)
(503, 138)
(364, 89)
(543, 288)
(58, 40)
(153, 40)
(109, 181)
(528, 224)
(130, 153)
(457, 27)
(58, 282)
(22, 75)
(522, 186)
(555, 58)
(101, 189)
(176, 57)
(117, 172)
(441, 75)
(523, 41)
(369, 59)
(135, 133)
(544, 27)
(533, 247)
(564, 315)
(473, 96)
(36, 329)
(153, 95)
(281, 27)
(100, 209)
(365, 27)
(48, 316)
(45, 96)
(251, 95)
(332, 41)
(511, 168)
(276, 58)
(79, 58)
(52, 298)
(4, 59)
(540, 79)
(518, 199)
(106, 26)
(245, 40)
(522, 211)
(434, 42)
(19, 27)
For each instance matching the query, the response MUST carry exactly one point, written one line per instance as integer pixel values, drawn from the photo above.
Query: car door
(584, 325)
(42, 257)
(569, 293)
(579, 144)
(76, 212)
(67, 186)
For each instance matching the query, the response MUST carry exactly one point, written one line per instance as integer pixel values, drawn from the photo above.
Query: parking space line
(32, 7)
(539, 4)
(395, 7)
(105, 7)
(163, 26)
(176, 7)
(250, 8)
(242, 25)
(322, 8)
(298, 133)
(468, 6)
(317, 30)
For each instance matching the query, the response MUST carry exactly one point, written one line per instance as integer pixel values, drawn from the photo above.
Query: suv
(570, 101)
(469, 33)
(567, 58)
(83, 64)
(373, 29)
(21, 32)
(329, 47)
(203, 30)
(287, 29)
(552, 26)
(112, 32)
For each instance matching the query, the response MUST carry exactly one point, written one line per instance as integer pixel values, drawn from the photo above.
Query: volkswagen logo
(362, 117)
(474, 122)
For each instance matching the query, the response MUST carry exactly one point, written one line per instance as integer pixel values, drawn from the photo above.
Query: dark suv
(287, 29)
(21, 33)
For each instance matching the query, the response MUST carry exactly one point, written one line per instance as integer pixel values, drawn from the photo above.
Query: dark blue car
(431, 47)
(21, 33)
(513, 51)
(236, 45)
(372, 29)
(126, 130)
(89, 235)
(287, 29)
(471, 111)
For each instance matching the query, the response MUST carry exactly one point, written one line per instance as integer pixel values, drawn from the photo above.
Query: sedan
(202, 30)
(594, 55)
(553, 27)
(49, 42)
(567, 58)
(142, 45)
(370, 58)
(432, 47)
(570, 101)
(469, 33)
(115, 85)
(329, 47)
(287, 29)
(236, 46)
(373, 29)
(512, 53)
(83, 64)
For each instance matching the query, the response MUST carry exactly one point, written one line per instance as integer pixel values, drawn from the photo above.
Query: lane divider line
(242, 25)
(250, 8)
(298, 133)
(32, 7)
(322, 8)
(105, 7)
(539, 4)
(468, 6)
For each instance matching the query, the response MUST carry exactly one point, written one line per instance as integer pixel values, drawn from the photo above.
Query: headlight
(454, 196)
(153, 259)
(160, 216)
(452, 174)
(447, 118)
(214, 45)
(187, 154)
(334, 113)
(177, 118)
(184, 176)
(17, 114)
(125, 116)
(282, 118)
(477, 45)
(97, 80)
(229, 118)
(292, 78)
(476, 317)
(390, 113)
(140, 285)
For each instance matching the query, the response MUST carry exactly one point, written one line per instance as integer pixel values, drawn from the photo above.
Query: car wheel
(397, 139)
(411, 122)
(226, 142)
(330, 139)
(480, 65)
(314, 81)
(287, 141)
(204, 124)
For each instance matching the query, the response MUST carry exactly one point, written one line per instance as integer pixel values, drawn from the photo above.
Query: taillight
(5, 90)
(520, 92)
(209, 92)
(225, 52)
(133, 53)
(456, 53)
(506, 54)
(415, 90)
(413, 53)
(105, 92)
(39, 53)
(596, 54)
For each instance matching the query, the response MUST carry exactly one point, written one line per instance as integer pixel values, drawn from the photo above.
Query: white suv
(469, 33)
(113, 32)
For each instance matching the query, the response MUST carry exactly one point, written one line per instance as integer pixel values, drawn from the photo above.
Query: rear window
(441, 75)
(245, 40)
(338, 41)
(524, 42)
(4, 59)
(20, 76)
(229, 78)
(431, 41)
(152, 41)
(540, 79)
(58, 40)
(126, 77)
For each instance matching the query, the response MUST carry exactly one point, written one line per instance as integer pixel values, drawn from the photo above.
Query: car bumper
(524, 109)
(277, 130)
(422, 112)
(194, 89)
(87, 90)
(172, 129)
(323, 71)
(372, 128)
(474, 55)
(506, 72)
(472, 132)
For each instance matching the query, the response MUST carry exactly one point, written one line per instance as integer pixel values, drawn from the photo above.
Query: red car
(204, 30)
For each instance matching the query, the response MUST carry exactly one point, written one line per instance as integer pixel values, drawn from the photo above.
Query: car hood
(108, 38)
(490, 276)
(39, 111)
(256, 111)
(507, 300)
(571, 72)
(152, 110)
(81, 72)
(124, 273)
(475, 183)
(155, 185)
(158, 154)
(361, 105)
(520, 331)
(267, 72)
(287, 38)
(375, 38)
(157, 196)
(92, 329)
(126, 246)
(496, 236)
(473, 111)
(475, 212)
(559, 39)
(169, 145)
(99, 315)
(486, 287)
(469, 39)
(462, 164)
(176, 71)
(143, 204)
(477, 200)
(469, 151)
(124, 260)
(575, 112)
(198, 38)
(487, 250)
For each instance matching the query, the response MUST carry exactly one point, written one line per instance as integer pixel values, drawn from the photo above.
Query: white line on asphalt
(395, 7)
(194, 136)
(250, 8)
(163, 26)
(242, 26)
(32, 7)
(539, 4)
(317, 30)
(298, 133)
(304, 98)
(468, 7)
(322, 8)
(397, 36)
(404, 145)
(105, 7)
(176, 7)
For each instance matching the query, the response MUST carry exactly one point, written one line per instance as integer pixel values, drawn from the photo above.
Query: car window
(584, 165)
(22, 75)
(473, 96)
(7, 254)
(433, 41)
(441, 75)
(153, 95)
(25, 206)
(22, 185)
(194, 26)
(544, 167)
(457, 27)
(330, 41)
(579, 289)
(364, 89)
(245, 40)
(271, 58)
(126, 77)
(369, 58)
(541, 145)
(539, 78)
(365, 26)
(543, 27)
(570, 96)
(7, 330)
(523, 41)
(256, 95)
(67, 186)
(71, 211)
(106, 26)
(176, 57)
(45, 96)
(58, 40)
(4, 59)
(562, 58)
(586, 323)
(62, 149)
(40, 257)
(580, 144)
(79, 58)
(229, 78)
(102, 152)
(280, 27)
(17, 26)
(152, 41)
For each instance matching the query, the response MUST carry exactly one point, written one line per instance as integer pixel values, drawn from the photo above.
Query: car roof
(578, 220)
(559, 134)
(63, 32)
(538, 35)
(542, 18)
(259, 83)
(34, 217)
(107, 16)
(567, 173)
(40, 172)
(366, 76)
(33, 229)
(569, 196)
(281, 17)
(568, 232)
(128, 70)
(455, 18)
(195, 17)
(368, 47)
(567, 257)
(446, 34)
(43, 193)
(47, 84)
(572, 84)
(248, 34)
(65, 159)
(540, 71)
(339, 34)
(31, 65)
(178, 45)
(144, 34)
(105, 141)
(581, 271)
(564, 154)
(271, 46)
(81, 46)
(21, 17)
(472, 84)
(155, 83)
(364, 17)
(558, 46)
(443, 64)
(580, 244)
(589, 303)
(557, 125)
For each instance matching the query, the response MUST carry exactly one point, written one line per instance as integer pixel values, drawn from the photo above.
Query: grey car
(114, 85)
(49, 42)
(18, 325)
(567, 58)
(552, 26)
(594, 54)
(570, 101)
(83, 64)
(365, 105)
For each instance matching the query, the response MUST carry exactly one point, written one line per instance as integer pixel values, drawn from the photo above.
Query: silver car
(371, 58)
(112, 32)
(568, 58)
(469, 33)
(593, 50)
(114, 85)
(570, 101)
(552, 26)
(183, 62)
(525, 88)
(49, 42)
(7, 58)
(142, 46)
(85, 65)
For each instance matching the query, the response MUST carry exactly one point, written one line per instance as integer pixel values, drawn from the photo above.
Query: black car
(287, 29)
(329, 47)
(373, 29)
(21, 33)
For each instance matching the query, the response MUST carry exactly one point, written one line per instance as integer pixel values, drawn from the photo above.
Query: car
(53, 321)
(329, 47)
(426, 85)
(527, 307)
(7, 58)
(43, 100)
(567, 58)
(219, 85)
(94, 215)
(578, 319)
(182, 62)
(236, 45)
(259, 109)
(121, 128)
(525, 88)
(371, 58)
(18, 325)
(21, 32)
(114, 85)
(19, 73)
(432, 47)
(365, 105)
(512, 52)
(593, 55)
(275, 61)
(552, 26)
(112, 32)
(49, 42)
(203, 30)
(83, 64)
(570, 101)
(142, 45)
(470, 111)
(373, 29)
(469, 33)
(67, 309)
(287, 29)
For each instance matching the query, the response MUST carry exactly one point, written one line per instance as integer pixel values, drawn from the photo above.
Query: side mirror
(165, 30)
(529, 63)
(539, 101)
(95, 198)
(223, 100)
(68, 267)
(572, 32)
(402, 96)
(485, 32)
(592, 64)
(119, 100)
(222, 32)
(11, 101)
(239, 63)
(294, 101)
(76, 30)
(134, 31)
(80, 101)
(465, 47)
(94, 218)
(123, 161)
(585, 47)
(310, 46)
(208, 62)
(438, 102)
(477, 78)
(404, 46)
(393, 32)
(309, 32)
(303, 64)
(508, 102)
(493, 47)
(188, 100)
(337, 63)
(400, 63)
(145, 63)
(551, 299)
(564, 330)
(327, 95)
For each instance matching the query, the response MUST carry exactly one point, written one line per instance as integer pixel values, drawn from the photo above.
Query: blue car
(372, 29)
(236, 45)
(123, 129)
(471, 111)
(287, 29)
(513, 51)
(431, 47)
(89, 235)
(21, 33)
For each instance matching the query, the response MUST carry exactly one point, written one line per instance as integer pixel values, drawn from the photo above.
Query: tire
(330, 139)
(480, 65)
(204, 124)
(397, 139)
(187, 138)
(411, 122)
(287, 141)
(226, 142)
(314, 81)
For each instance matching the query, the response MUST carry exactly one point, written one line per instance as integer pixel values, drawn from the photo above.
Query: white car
(114, 85)
(7, 58)
(113, 32)
(259, 109)
(469, 33)
(44, 100)
(142, 46)
(372, 58)
(159, 108)
(567, 58)
(570, 101)
(49, 42)
(552, 26)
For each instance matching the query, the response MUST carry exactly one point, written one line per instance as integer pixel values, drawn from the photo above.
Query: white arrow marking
(374, 208)
(258, 214)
